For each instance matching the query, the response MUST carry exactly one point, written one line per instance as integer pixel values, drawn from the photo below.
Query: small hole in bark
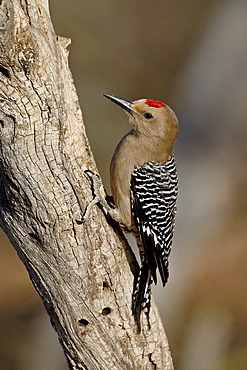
(34, 236)
(106, 311)
(4, 71)
(106, 284)
(83, 322)
(1, 123)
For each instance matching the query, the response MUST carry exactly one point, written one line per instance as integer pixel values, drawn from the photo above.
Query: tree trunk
(82, 272)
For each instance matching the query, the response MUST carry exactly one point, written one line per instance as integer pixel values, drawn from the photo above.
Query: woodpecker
(144, 185)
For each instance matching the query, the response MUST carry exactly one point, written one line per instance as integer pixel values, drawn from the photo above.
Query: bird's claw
(92, 174)
(97, 186)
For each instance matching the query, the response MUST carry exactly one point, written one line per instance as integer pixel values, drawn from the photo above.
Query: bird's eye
(148, 115)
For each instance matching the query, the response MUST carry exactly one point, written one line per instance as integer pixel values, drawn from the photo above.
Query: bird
(144, 186)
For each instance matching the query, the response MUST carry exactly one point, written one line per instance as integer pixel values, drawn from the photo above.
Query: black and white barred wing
(154, 190)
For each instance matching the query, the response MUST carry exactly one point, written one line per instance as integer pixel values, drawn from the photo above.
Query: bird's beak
(125, 104)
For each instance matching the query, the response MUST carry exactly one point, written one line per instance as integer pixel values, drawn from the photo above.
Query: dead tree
(83, 273)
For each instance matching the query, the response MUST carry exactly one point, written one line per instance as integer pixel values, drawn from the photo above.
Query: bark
(83, 273)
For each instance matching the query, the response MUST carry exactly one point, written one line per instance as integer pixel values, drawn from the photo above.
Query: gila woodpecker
(144, 186)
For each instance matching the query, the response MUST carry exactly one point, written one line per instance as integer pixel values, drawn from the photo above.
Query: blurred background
(193, 56)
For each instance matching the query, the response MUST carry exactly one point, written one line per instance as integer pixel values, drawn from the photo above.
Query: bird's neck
(147, 149)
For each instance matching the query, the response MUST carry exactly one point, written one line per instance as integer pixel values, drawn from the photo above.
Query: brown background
(192, 55)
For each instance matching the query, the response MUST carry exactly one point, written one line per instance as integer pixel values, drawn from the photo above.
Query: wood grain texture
(81, 272)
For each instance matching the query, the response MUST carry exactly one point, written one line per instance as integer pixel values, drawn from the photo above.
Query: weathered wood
(80, 271)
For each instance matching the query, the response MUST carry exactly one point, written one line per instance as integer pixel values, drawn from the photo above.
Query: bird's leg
(99, 197)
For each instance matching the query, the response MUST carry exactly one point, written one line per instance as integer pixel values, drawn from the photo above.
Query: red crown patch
(155, 103)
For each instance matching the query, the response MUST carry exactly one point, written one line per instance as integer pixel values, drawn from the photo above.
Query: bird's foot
(99, 197)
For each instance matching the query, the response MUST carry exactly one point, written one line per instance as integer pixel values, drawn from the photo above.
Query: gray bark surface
(81, 272)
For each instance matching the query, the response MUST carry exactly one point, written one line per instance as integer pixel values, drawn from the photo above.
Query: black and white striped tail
(142, 294)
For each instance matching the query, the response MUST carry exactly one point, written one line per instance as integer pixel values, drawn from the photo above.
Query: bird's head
(150, 118)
